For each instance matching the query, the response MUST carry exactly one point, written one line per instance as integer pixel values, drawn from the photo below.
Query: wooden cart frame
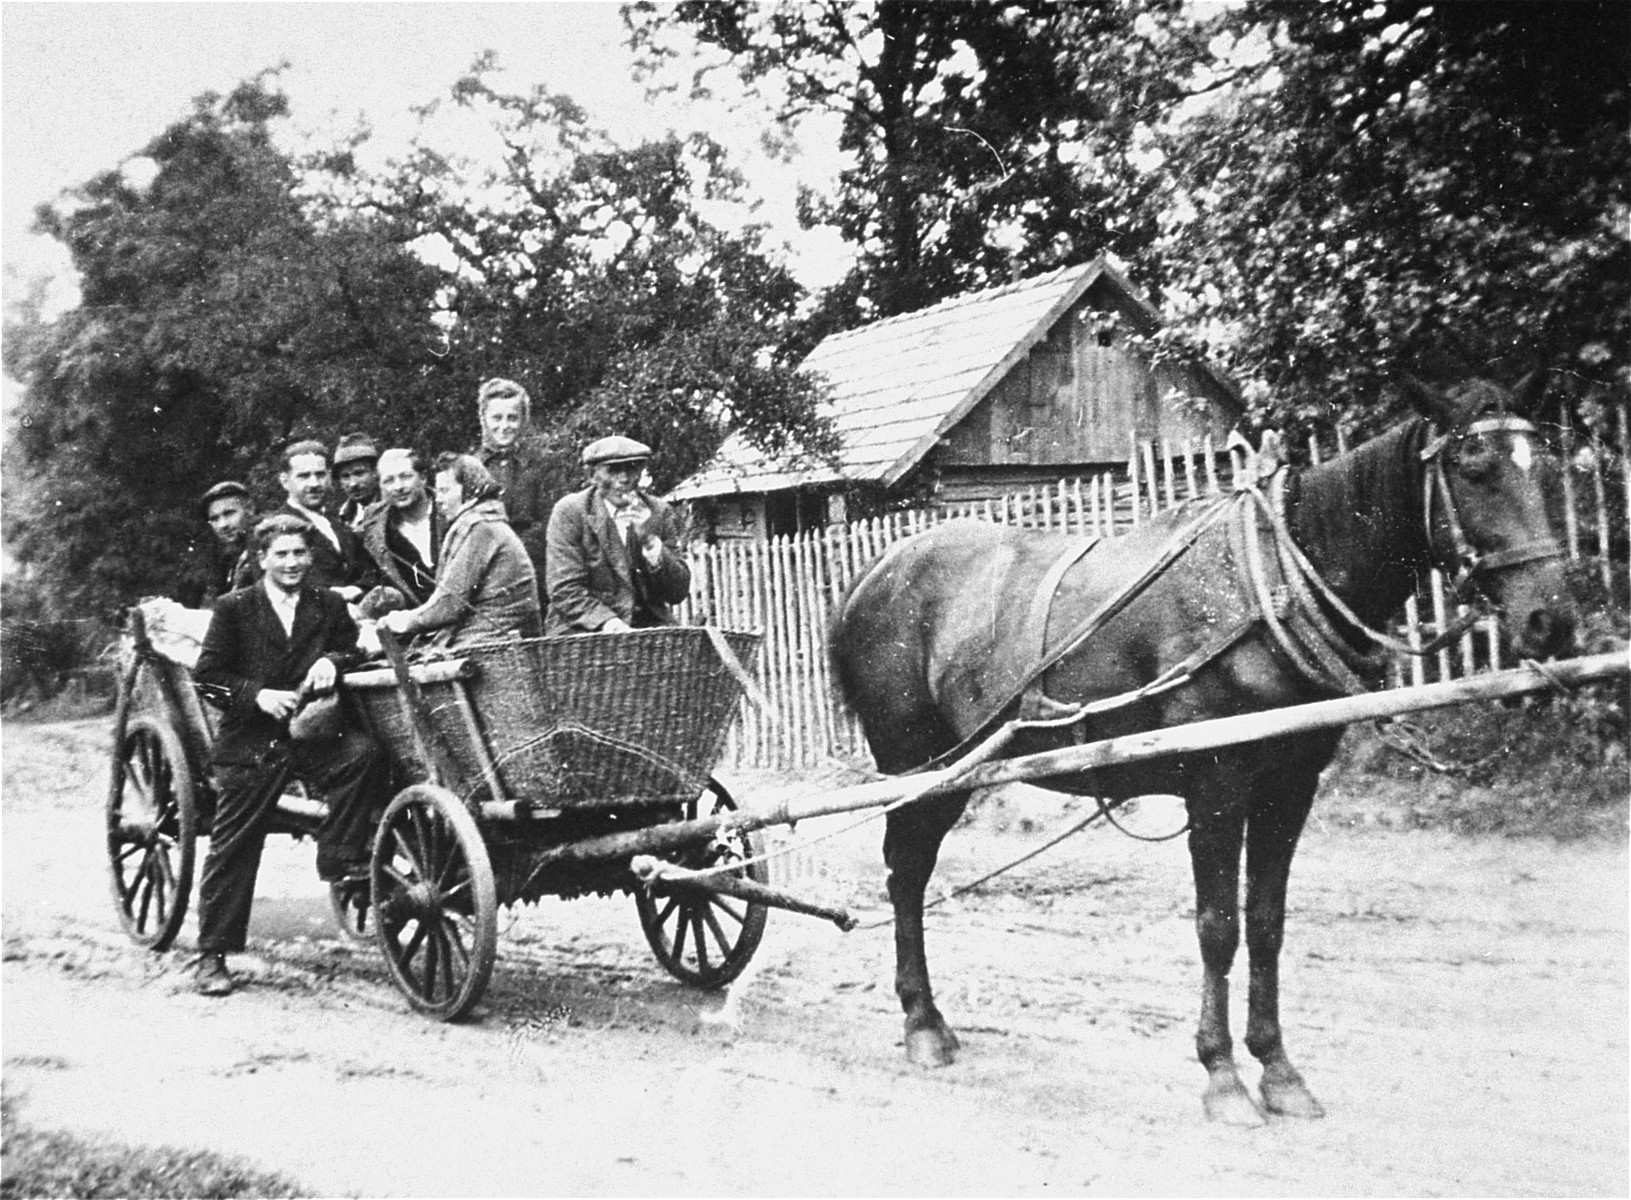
(501, 756)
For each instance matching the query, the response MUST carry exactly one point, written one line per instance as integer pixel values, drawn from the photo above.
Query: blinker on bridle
(1436, 492)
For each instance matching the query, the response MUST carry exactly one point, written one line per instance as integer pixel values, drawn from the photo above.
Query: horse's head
(1486, 512)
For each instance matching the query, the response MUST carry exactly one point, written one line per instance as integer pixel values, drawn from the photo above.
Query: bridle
(1437, 496)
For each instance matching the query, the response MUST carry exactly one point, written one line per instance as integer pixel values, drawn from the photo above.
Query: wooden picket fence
(789, 587)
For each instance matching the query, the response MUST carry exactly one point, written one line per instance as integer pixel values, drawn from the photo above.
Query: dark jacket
(220, 571)
(246, 650)
(395, 558)
(485, 586)
(591, 576)
(519, 471)
(350, 566)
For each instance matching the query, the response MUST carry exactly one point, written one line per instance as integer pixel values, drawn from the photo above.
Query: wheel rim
(151, 834)
(433, 906)
(702, 938)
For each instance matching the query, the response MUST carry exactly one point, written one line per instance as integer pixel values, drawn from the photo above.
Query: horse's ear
(1528, 393)
(1428, 401)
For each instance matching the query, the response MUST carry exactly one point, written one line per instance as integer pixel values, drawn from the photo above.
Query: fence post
(1571, 523)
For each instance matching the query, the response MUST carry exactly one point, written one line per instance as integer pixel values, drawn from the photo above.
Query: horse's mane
(1359, 518)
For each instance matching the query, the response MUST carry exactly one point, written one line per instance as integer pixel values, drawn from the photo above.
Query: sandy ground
(1460, 1007)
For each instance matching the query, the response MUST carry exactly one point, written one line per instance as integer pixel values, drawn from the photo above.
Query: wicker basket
(599, 720)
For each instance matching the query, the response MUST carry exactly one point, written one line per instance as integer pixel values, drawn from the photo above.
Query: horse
(1266, 598)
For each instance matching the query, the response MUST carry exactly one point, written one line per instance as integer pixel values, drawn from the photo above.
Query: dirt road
(1460, 1007)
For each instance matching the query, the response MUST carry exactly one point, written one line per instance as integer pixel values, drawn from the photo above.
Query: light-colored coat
(485, 586)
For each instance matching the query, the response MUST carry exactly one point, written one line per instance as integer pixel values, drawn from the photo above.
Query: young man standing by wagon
(615, 559)
(270, 649)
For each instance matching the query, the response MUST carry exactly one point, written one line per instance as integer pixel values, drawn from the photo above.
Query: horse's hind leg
(911, 846)
(1271, 840)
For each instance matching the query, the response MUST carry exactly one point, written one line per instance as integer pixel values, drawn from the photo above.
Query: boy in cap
(614, 560)
(229, 512)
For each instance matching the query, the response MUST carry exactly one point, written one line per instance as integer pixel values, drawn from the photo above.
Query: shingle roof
(899, 385)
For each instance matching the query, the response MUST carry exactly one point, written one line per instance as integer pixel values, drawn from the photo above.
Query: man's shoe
(213, 978)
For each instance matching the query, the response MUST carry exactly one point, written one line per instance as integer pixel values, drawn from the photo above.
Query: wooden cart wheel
(152, 827)
(348, 904)
(434, 906)
(701, 938)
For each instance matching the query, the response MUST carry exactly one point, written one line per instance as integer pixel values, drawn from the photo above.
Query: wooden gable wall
(1073, 402)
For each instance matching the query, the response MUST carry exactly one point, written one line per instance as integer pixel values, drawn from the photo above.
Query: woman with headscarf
(485, 585)
(504, 411)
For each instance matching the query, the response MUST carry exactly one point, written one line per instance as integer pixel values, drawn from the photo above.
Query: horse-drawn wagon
(505, 758)
(1219, 640)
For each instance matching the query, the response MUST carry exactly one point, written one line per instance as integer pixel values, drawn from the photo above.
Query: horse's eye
(1476, 459)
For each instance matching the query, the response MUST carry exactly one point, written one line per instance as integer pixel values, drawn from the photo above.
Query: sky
(85, 86)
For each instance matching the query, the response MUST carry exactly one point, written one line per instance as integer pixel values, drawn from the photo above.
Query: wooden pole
(1118, 751)
(1571, 520)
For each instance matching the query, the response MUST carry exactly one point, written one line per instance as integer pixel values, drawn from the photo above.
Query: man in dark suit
(338, 559)
(271, 647)
(616, 559)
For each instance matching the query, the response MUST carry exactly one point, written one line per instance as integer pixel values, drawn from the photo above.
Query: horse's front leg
(1271, 841)
(1214, 853)
(911, 846)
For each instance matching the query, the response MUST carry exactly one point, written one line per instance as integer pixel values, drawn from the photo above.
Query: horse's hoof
(1231, 1104)
(932, 1047)
(1290, 1098)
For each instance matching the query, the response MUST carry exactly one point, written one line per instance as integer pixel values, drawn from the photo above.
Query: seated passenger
(485, 586)
(615, 554)
(400, 533)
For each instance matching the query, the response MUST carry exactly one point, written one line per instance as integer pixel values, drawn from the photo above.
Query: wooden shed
(978, 396)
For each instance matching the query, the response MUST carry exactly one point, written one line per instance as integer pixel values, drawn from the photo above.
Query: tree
(219, 317)
(985, 141)
(1403, 184)
(591, 274)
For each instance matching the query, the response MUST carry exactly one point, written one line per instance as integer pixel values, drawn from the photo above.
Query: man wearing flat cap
(356, 471)
(614, 560)
(227, 509)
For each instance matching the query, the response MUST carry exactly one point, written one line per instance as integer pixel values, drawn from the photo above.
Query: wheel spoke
(678, 950)
(432, 961)
(720, 938)
(698, 939)
(144, 881)
(740, 916)
(142, 789)
(660, 919)
(397, 876)
(456, 940)
(415, 867)
(444, 952)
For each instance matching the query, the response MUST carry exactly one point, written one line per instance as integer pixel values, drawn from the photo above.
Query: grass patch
(38, 1163)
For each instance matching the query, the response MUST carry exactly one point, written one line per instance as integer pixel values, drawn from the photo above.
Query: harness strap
(1090, 625)
(1036, 621)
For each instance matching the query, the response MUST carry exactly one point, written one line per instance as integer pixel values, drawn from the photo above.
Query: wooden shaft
(664, 877)
(1135, 747)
